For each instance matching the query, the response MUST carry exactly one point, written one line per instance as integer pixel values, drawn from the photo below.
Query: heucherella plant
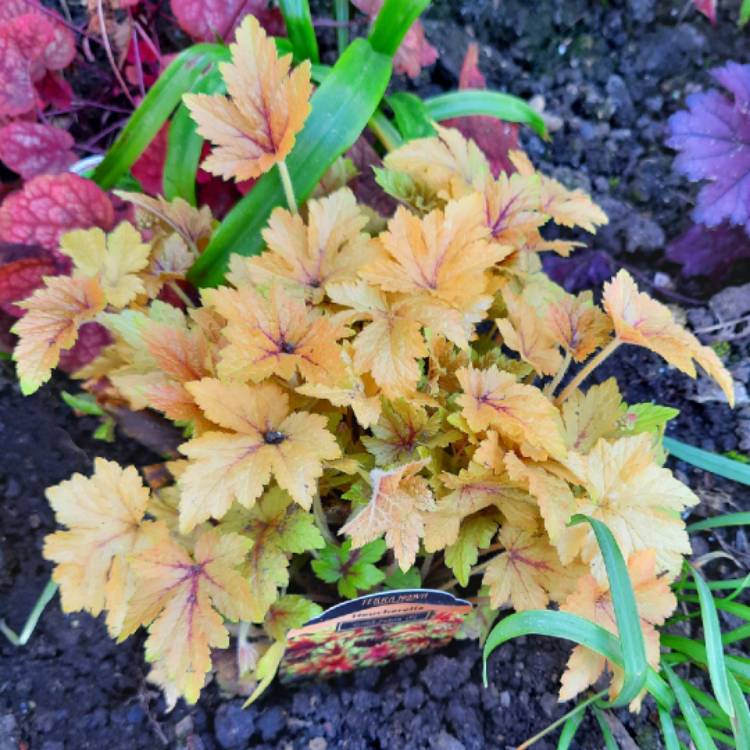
(364, 386)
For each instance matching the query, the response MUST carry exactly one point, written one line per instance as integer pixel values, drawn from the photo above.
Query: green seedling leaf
(412, 118)
(571, 628)
(475, 534)
(299, 26)
(648, 417)
(699, 732)
(189, 67)
(492, 103)
(717, 669)
(352, 570)
(723, 467)
(83, 402)
(626, 612)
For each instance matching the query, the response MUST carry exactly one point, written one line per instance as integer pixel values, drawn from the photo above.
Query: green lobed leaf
(491, 103)
(288, 612)
(723, 467)
(717, 669)
(699, 732)
(189, 67)
(394, 20)
(300, 29)
(412, 579)
(352, 570)
(626, 612)
(341, 107)
(573, 628)
(649, 417)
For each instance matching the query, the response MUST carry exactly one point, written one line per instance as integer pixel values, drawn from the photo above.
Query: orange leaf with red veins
(525, 572)
(524, 332)
(637, 499)
(183, 598)
(511, 208)
(492, 398)
(329, 248)
(593, 601)
(31, 149)
(414, 53)
(643, 321)
(577, 324)
(472, 490)
(263, 439)
(53, 316)
(275, 336)
(256, 126)
(399, 502)
(447, 165)
(444, 256)
(48, 206)
(495, 137)
(104, 516)
(390, 345)
(569, 208)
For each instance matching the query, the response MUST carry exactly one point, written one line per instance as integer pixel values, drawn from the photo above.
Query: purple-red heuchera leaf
(149, 168)
(49, 205)
(31, 149)
(708, 8)
(493, 136)
(713, 138)
(709, 252)
(584, 269)
(207, 20)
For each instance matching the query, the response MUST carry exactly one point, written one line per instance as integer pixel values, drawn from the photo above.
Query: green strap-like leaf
(609, 739)
(668, 732)
(300, 29)
(185, 145)
(741, 721)
(626, 612)
(699, 732)
(393, 21)
(568, 733)
(412, 117)
(697, 653)
(717, 669)
(341, 107)
(724, 467)
(481, 102)
(571, 628)
(182, 74)
(728, 519)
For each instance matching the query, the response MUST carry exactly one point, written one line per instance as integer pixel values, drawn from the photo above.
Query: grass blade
(393, 21)
(717, 669)
(744, 13)
(741, 722)
(570, 628)
(699, 732)
(724, 467)
(480, 102)
(300, 29)
(184, 145)
(181, 75)
(412, 117)
(609, 739)
(718, 522)
(668, 732)
(626, 612)
(697, 652)
(341, 13)
(341, 107)
(569, 729)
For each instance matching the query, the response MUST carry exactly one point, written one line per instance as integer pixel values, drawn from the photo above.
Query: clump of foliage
(359, 386)
(712, 138)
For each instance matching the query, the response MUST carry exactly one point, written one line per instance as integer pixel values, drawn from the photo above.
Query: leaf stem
(286, 182)
(33, 618)
(585, 371)
(551, 387)
(551, 727)
(321, 521)
(175, 287)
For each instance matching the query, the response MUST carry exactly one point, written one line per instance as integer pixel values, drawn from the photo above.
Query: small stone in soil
(234, 725)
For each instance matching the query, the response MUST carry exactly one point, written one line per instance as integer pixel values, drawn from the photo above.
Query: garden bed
(611, 74)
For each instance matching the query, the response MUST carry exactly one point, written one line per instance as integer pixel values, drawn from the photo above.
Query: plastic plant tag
(372, 630)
